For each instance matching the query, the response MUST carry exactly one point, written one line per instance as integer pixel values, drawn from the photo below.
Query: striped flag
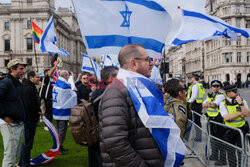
(148, 102)
(87, 66)
(54, 151)
(37, 33)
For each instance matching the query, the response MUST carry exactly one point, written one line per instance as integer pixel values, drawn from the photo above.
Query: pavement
(190, 159)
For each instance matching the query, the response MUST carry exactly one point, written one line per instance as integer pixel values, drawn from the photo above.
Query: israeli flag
(49, 39)
(109, 60)
(87, 66)
(148, 102)
(156, 76)
(108, 25)
(199, 26)
(63, 99)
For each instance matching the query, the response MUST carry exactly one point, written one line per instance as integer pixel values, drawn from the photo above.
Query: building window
(226, 10)
(29, 24)
(29, 1)
(7, 25)
(247, 10)
(29, 44)
(237, 11)
(248, 56)
(7, 45)
(247, 23)
(227, 42)
(238, 57)
(6, 61)
(238, 41)
(228, 57)
(29, 61)
(238, 23)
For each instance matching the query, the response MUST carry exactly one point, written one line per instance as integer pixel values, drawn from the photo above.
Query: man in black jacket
(12, 111)
(84, 89)
(32, 103)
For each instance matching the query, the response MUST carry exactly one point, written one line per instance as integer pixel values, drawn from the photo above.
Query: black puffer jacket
(124, 140)
(31, 100)
(11, 99)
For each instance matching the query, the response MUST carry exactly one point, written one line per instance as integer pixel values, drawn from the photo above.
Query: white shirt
(2, 121)
(223, 109)
(217, 100)
(193, 93)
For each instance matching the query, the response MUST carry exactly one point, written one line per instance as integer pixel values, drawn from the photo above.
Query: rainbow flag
(37, 32)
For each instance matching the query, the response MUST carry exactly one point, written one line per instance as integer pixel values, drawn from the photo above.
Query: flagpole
(93, 68)
(35, 56)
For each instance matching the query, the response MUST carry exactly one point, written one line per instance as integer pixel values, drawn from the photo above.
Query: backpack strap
(98, 98)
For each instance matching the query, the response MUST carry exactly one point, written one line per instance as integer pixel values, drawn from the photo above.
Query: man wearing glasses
(176, 104)
(234, 110)
(211, 104)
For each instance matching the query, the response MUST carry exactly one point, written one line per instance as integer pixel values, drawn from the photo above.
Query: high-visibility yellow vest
(233, 109)
(213, 112)
(200, 94)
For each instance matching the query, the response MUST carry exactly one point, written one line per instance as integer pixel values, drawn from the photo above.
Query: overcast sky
(190, 4)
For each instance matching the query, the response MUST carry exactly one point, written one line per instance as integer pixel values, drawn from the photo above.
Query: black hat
(216, 83)
(196, 76)
(229, 88)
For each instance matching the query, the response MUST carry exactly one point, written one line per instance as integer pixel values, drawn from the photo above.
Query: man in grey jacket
(124, 140)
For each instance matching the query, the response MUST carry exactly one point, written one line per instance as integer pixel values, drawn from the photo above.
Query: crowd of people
(124, 140)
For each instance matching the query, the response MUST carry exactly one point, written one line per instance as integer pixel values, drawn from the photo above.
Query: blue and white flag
(87, 66)
(109, 60)
(199, 26)
(49, 39)
(63, 99)
(148, 102)
(108, 25)
(156, 76)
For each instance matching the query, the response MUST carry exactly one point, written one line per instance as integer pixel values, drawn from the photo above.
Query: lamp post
(11, 52)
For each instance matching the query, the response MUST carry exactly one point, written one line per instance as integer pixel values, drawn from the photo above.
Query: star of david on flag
(126, 15)
(108, 25)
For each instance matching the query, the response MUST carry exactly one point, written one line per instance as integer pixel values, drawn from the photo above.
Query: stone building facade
(223, 59)
(16, 34)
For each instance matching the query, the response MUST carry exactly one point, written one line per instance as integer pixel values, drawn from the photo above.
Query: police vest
(200, 94)
(213, 112)
(233, 109)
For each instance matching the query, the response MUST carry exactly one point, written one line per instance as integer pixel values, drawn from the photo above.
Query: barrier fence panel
(223, 151)
(247, 149)
(216, 144)
(196, 138)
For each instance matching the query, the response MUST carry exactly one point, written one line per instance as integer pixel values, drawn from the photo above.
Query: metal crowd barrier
(228, 154)
(196, 138)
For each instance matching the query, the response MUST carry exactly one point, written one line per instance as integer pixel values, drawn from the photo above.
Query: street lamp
(11, 52)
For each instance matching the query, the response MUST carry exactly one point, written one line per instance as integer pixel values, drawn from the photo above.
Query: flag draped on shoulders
(49, 39)
(63, 99)
(148, 102)
(87, 63)
(54, 151)
(199, 26)
(108, 25)
(37, 32)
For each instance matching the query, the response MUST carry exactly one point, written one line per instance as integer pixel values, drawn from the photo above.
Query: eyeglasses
(86, 78)
(146, 59)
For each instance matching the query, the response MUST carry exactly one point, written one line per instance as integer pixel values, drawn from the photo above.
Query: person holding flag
(135, 130)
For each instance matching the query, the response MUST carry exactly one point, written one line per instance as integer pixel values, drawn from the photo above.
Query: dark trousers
(197, 119)
(29, 134)
(61, 126)
(94, 155)
(233, 137)
(48, 113)
(216, 146)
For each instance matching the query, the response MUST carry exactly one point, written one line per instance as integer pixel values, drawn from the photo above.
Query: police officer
(211, 104)
(195, 96)
(234, 110)
(176, 104)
